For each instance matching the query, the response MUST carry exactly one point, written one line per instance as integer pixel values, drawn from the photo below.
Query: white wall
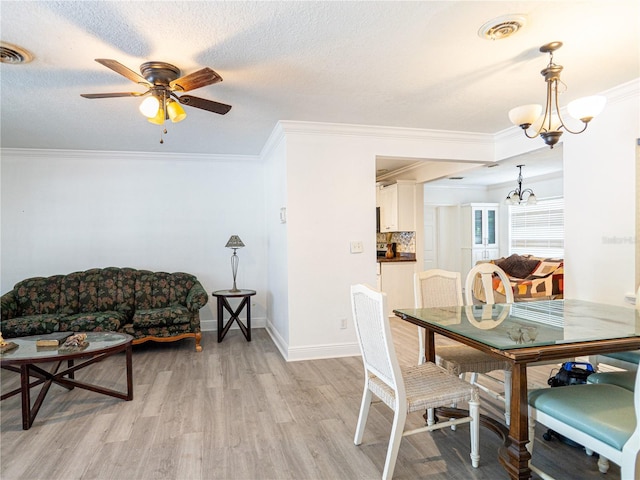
(68, 211)
(275, 160)
(330, 202)
(600, 196)
(440, 195)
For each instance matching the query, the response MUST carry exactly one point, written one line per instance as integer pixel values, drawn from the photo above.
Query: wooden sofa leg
(198, 338)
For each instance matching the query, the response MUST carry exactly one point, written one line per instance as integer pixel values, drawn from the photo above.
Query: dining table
(525, 333)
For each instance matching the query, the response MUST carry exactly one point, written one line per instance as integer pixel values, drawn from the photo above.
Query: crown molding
(119, 155)
(343, 129)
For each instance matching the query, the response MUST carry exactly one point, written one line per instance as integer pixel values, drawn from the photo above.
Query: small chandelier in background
(516, 197)
(549, 125)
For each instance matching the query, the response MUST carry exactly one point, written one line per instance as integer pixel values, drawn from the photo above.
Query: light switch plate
(356, 246)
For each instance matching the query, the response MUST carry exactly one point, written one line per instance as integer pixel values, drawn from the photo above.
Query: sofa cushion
(30, 325)
(38, 296)
(518, 266)
(161, 289)
(173, 315)
(99, 290)
(108, 321)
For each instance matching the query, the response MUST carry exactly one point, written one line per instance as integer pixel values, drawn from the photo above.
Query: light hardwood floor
(237, 410)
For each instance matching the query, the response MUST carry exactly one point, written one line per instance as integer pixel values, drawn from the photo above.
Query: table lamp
(235, 243)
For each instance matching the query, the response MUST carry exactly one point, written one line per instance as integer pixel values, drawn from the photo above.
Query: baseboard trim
(293, 354)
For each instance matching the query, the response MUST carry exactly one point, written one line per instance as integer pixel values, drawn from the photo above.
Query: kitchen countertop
(407, 257)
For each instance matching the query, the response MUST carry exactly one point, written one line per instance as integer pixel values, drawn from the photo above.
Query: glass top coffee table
(25, 359)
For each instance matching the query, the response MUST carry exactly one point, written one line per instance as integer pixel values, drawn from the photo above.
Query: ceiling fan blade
(124, 71)
(204, 104)
(194, 80)
(111, 95)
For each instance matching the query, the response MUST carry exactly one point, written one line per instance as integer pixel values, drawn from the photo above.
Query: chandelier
(517, 196)
(550, 125)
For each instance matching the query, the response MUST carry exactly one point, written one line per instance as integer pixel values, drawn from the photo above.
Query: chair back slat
(374, 334)
(437, 288)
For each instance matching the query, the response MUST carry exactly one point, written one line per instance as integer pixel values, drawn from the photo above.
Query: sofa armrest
(9, 305)
(197, 297)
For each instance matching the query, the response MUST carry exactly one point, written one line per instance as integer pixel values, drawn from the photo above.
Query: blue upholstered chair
(602, 417)
(626, 379)
(626, 360)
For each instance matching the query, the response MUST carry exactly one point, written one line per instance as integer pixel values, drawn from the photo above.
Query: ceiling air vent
(14, 54)
(502, 27)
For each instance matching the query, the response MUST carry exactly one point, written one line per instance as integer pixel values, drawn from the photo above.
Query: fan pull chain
(163, 131)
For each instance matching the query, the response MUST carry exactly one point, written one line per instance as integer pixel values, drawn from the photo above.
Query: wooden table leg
(220, 335)
(430, 346)
(516, 460)
(26, 397)
(129, 361)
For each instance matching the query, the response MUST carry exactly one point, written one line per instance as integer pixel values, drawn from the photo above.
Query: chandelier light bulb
(150, 106)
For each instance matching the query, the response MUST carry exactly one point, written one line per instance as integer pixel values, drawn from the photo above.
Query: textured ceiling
(405, 64)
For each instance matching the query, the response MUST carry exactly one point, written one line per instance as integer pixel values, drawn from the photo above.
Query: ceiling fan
(163, 81)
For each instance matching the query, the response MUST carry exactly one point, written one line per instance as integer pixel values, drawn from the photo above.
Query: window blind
(537, 229)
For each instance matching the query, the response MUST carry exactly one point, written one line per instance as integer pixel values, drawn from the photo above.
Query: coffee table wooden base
(65, 378)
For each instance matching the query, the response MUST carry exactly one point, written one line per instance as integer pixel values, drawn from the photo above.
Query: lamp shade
(586, 108)
(150, 106)
(525, 114)
(234, 242)
(175, 111)
(159, 118)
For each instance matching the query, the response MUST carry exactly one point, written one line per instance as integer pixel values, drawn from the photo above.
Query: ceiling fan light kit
(150, 106)
(162, 81)
(549, 125)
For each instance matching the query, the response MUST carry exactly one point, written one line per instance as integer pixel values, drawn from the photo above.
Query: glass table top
(27, 348)
(527, 324)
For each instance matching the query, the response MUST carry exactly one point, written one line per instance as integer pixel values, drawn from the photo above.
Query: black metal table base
(223, 304)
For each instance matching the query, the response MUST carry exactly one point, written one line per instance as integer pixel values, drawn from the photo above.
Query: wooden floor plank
(237, 410)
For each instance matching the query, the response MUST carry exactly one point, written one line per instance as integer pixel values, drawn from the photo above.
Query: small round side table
(223, 297)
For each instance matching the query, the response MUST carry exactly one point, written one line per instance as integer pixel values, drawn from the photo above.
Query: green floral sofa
(148, 305)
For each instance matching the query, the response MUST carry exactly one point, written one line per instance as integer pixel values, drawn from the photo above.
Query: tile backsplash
(405, 241)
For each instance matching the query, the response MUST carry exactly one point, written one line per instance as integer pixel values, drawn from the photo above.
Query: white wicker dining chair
(442, 288)
(404, 390)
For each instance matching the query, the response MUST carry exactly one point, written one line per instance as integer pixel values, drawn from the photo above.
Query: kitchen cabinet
(479, 234)
(396, 280)
(397, 206)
